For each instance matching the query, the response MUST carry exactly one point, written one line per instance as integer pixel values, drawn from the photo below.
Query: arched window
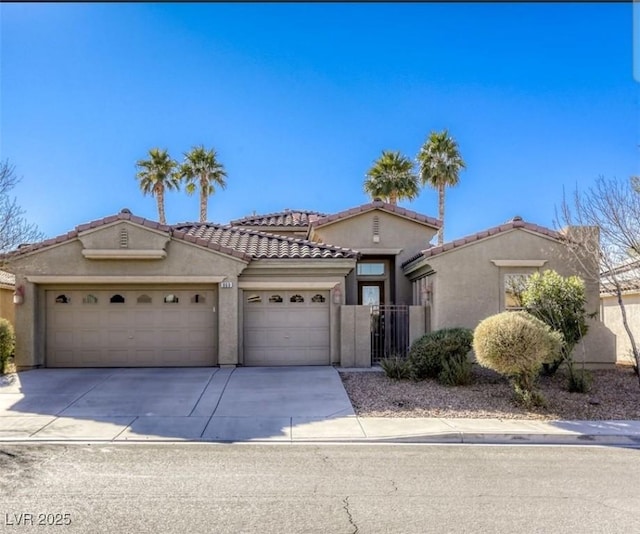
(171, 299)
(198, 299)
(63, 299)
(90, 299)
(116, 299)
(296, 298)
(275, 298)
(318, 298)
(144, 299)
(254, 299)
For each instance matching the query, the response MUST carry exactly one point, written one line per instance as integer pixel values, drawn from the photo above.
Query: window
(514, 284)
(296, 298)
(117, 299)
(254, 299)
(370, 269)
(198, 299)
(171, 299)
(144, 299)
(63, 299)
(318, 298)
(275, 299)
(90, 299)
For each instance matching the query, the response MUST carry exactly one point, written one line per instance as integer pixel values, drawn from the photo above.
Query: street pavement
(275, 405)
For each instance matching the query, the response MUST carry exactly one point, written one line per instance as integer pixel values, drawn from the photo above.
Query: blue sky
(300, 99)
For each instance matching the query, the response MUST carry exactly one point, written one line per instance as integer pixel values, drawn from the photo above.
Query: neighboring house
(289, 288)
(628, 276)
(7, 288)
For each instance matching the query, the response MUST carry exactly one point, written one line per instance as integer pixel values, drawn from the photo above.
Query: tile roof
(124, 215)
(7, 278)
(627, 275)
(258, 245)
(287, 218)
(384, 206)
(234, 241)
(516, 222)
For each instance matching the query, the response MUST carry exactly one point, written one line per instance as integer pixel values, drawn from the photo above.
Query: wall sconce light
(337, 295)
(18, 295)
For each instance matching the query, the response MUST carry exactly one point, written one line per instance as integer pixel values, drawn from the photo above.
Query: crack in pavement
(349, 516)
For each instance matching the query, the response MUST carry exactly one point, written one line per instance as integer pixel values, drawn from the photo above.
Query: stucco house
(628, 276)
(7, 288)
(287, 288)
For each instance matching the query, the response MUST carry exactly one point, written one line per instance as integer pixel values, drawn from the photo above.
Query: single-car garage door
(286, 327)
(130, 328)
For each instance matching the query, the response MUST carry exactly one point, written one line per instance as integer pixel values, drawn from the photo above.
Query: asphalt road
(215, 488)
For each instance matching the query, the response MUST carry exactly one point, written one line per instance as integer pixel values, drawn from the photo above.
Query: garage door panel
(142, 331)
(286, 333)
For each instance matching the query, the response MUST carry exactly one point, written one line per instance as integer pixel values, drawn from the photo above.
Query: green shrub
(579, 381)
(395, 367)
(7, 342)
(455, 372)
(428, 354)
(516, 345)
(560, 303)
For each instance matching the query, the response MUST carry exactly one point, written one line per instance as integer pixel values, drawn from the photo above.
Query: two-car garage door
(286, 327)
(98, 327)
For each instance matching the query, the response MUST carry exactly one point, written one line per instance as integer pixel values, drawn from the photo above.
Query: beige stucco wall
(355, 333)
(467, 286)
(612, 319)
(7, 307)
(58, 262)
(399, 238)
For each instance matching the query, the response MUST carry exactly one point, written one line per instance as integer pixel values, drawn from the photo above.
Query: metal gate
(389, 332)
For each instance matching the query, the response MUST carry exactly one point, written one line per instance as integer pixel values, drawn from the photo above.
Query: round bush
(7, 342)
(428, 353)
(513, 343)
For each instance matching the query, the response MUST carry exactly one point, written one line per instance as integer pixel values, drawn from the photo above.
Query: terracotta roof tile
(7, 278)
(256, 244)
(384, 206)
(286, 218)
(122, 216)
(516, 223)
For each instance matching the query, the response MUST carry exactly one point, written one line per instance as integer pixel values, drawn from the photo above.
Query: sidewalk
(345, 429)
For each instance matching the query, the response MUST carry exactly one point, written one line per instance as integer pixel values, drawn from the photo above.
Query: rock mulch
(615, 395)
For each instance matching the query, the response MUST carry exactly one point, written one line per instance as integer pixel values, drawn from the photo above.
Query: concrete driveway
(210, 404)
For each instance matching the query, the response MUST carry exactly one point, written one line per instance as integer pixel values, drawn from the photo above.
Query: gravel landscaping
(615, 394)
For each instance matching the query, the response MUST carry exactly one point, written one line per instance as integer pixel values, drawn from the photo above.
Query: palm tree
(202, 166)
(156, 176)
(440, 165)
(391, 178)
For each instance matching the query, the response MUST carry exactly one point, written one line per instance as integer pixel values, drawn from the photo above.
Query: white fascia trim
(124, 254)
(390, 251)
(287, 285)
(518, 263)
(44, 279)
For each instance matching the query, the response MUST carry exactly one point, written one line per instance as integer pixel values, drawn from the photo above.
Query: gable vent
(376, 229)
(124, 238)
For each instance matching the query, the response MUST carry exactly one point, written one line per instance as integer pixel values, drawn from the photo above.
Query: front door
(370, 293)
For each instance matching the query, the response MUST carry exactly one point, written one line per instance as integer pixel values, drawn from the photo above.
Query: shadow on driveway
(210, 404)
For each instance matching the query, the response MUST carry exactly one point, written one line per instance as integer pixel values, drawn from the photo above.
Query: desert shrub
(7, 342)
(428, 354)
(560, 303)
(455, 372)
(579, 381)
(396, 367)
(516, 345)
